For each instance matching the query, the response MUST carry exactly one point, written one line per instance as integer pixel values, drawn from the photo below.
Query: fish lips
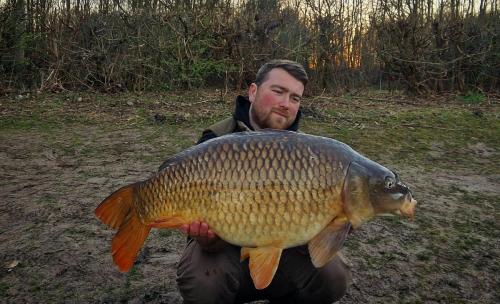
(407, 209)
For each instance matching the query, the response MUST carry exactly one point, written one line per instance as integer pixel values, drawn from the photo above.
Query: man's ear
(252, 91)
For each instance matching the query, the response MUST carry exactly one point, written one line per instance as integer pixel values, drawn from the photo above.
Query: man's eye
(277, 91)
(296, 99)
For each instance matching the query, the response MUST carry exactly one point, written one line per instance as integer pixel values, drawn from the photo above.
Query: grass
(3, 289)
(435, 136)
(48, 199)
(453, 234)
(472, 97)
(167, 233)
(127, 290)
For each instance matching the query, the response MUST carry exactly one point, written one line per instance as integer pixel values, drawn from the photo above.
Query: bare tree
(421, 46)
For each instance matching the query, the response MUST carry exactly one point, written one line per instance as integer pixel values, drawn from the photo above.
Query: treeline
(420, 46)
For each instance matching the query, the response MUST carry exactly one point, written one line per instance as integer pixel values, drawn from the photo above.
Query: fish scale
(264, 191)
(190, 196)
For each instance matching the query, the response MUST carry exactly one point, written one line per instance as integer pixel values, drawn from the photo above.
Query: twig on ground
(428, 127)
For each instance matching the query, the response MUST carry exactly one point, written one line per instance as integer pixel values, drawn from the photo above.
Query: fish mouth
(408, 208)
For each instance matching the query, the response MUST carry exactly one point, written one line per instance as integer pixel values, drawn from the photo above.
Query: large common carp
(264, 191)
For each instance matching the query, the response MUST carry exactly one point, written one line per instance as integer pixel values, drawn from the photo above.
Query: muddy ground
(60, 155)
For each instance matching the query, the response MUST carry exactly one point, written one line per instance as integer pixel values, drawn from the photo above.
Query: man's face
(276, 101)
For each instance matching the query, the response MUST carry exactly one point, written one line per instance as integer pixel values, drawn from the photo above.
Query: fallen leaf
(12, 264)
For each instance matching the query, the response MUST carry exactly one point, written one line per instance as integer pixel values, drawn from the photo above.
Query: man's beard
(267, 121)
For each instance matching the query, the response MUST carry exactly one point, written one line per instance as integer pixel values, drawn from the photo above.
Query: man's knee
(207, 277)
(328, 284)
(339, 276)
(209, 286)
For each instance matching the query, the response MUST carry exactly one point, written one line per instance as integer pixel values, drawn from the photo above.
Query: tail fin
(117, 211)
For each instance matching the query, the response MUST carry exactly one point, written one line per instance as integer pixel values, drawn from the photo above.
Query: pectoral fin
(245, 253)
(168, 222)
(263, 264)
(325, 244)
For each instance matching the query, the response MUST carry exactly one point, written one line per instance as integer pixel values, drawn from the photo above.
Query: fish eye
(389, 183)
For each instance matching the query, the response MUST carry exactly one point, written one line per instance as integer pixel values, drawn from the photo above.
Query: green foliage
(473, 97)
(196, 74)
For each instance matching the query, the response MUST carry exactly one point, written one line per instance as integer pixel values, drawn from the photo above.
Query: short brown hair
(293, 68)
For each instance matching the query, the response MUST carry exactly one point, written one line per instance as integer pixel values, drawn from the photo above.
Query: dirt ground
(60, 155)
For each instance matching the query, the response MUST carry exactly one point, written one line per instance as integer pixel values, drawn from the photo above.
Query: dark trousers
(205, 277)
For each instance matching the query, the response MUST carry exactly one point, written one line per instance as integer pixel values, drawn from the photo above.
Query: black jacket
(239, 122)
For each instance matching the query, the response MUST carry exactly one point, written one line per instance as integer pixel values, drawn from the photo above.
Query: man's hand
(198, 230)
(207, 239)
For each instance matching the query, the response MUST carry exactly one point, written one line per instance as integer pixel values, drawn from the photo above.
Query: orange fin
(245, 253)
(169, 222)
(128, 241)
(325, 244)
(117, 211)
(263, 264)
(115, 208)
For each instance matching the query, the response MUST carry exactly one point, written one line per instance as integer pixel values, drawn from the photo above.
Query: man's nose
(285, 101)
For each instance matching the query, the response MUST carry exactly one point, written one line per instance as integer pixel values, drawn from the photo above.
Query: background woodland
(422, 47)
